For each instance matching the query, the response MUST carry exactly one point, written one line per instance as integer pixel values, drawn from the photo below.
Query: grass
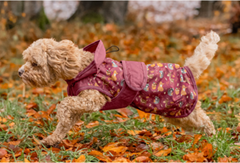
(24, 130)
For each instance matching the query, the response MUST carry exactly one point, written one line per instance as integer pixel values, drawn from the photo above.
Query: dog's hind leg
(203, 54)
(196, 121)
(70, 110)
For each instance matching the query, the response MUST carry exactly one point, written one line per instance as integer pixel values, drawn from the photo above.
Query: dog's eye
(34, 64)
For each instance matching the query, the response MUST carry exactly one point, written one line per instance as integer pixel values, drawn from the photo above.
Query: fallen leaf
(194, 157)
(36, 140)
(142, 159)
(51, 109)
(100, 156)
(92, 124)
(3, 152)
(156, 146)
(4, 159)
(220, 159)
(32, 105)
(125, 112)
(121, 159)
(15, 142)
(163, 152)
(80, 159)
(133, 132)
(224, 98)
(26, 160)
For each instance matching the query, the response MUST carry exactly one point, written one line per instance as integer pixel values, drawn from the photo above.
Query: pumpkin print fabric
(170, 91)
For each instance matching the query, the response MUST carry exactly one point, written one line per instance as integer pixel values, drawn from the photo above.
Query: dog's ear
(63, 57)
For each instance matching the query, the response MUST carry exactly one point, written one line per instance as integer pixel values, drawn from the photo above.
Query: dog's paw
(49, 141)
(211, 38)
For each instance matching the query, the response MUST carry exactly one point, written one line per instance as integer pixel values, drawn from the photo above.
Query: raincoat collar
(98, 49)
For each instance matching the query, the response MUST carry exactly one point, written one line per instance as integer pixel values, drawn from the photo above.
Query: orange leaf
(36, 140)
(163, 152)
(80, 159)
(3, 152)
(194, 157)
(121, 159)
(51, 109)
(14, 142)
(31, 105)
(208, 150)
(26, 160)
(225, 159)
(156, 146)
(4, 159)
(125, 112)
(133, 132)
(142, 159)
(196, 138)
(224, 98)
(3, 119)
(109, 146)
(143, 115)
(92, 124)
(100, 156)
(118, 150)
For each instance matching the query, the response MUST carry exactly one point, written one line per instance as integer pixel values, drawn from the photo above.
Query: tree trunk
(235, 18)
(29, 8)
(206, 9)
(107, 11)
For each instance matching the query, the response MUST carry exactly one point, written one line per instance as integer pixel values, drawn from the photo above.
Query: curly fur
(47, 61)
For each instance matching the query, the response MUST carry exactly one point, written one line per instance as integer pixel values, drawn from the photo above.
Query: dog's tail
(203, 54)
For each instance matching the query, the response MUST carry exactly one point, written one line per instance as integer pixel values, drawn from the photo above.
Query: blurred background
(147, 31)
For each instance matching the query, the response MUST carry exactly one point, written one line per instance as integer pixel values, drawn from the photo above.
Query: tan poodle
(99, 83)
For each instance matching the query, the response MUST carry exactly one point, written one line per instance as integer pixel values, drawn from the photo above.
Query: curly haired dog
(98, 83)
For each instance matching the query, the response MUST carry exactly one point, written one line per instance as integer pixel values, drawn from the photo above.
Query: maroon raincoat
(164, 88)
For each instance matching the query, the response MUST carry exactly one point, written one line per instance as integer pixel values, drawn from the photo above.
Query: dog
(99, 83)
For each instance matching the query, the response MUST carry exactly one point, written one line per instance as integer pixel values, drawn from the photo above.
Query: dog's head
(48, 60)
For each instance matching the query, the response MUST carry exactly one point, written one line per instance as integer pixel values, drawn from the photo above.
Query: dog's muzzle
(21, 71)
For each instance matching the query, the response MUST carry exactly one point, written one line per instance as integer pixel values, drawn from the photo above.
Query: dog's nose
(20, 72)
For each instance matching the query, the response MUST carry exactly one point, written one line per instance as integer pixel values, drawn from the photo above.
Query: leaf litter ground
(27, 115)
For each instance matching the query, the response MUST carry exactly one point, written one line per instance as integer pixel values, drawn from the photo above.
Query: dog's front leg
(70, 110)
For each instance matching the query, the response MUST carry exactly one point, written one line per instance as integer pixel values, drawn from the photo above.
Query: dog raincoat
(163, 88)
